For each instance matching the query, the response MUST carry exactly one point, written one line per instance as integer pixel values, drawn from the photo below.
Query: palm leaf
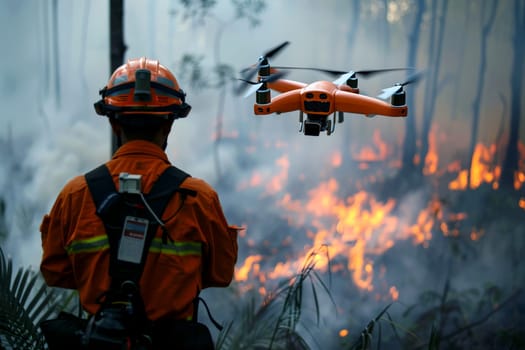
(433, 343)
(25, 301)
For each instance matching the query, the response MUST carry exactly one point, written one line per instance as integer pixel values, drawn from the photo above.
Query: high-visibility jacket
(201, 251)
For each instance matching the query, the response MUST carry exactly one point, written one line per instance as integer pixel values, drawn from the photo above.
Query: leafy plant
(365, 339)
(274, 325)
(454, 314)
(25, 301)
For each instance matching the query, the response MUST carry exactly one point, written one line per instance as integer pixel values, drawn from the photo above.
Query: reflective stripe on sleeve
(176, 248)
(100, 243)
(93, 244)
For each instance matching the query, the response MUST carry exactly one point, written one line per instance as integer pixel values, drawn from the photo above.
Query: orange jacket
(201, 253)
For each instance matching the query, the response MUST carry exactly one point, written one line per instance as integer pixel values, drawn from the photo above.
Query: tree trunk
(385, 30)
(409, 144)
(486, 27)
(510, 164)
(460, 66)
(354, 24)
(437, 35)
(355, 15)
(116, 44)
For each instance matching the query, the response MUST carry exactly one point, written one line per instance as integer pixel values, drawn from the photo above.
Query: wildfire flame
(356, 228)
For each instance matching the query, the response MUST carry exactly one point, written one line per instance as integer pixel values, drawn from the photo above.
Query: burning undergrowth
(442, 249)
(378, 238)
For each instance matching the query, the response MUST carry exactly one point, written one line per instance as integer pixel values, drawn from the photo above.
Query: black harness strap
(108, 203)
(166, 185)
(101, 187)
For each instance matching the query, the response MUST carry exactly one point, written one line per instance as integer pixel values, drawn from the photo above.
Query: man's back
(200, 251)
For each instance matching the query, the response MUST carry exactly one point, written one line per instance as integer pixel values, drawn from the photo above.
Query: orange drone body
(320, 104)
(324, 98)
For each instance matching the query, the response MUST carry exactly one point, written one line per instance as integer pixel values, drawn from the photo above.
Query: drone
(323, 102)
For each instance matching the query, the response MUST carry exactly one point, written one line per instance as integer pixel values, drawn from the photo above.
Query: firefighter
(193, 247)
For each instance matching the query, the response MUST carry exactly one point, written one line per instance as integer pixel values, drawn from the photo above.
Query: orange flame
(241, 274)
(276, 183)
(485, 171)
(431, 159)
(394, 293)
(377, 152)
(357, 228)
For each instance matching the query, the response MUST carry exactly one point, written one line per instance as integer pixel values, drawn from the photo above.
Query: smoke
(38, 175)
(259, 163)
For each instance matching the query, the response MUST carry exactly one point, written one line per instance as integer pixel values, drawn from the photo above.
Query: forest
(390, 233)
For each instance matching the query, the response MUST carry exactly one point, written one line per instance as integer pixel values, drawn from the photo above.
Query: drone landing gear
(330, 125)
(301, 121)
(329, 129)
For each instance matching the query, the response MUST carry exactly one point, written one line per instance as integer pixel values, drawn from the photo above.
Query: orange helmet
(142, 87)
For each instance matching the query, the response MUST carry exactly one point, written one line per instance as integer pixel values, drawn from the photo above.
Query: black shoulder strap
(166, 185)
(163, 189)
(101, 187)
(105, 195)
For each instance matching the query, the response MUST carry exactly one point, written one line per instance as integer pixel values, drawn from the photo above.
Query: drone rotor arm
(361, 104)
(283, 103)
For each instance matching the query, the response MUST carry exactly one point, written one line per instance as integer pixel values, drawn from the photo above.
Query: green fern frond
(25, 301)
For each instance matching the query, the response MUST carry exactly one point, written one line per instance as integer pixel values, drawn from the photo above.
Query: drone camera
(312, 128)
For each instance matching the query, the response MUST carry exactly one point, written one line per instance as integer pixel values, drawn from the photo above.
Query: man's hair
(142, 127)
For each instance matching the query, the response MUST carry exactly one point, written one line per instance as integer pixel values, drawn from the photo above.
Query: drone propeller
(344, 76)
(249, 73)
(388, 92)
(257, 85)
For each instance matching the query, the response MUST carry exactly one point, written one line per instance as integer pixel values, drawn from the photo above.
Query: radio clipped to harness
(134, 230)
(129, 183)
